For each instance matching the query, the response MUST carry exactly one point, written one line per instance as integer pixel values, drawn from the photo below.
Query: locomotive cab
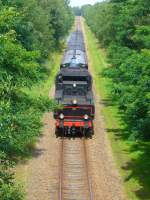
(77, 76)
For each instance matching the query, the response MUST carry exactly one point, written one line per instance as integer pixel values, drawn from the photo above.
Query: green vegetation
(123, 27)
(29, 31)
(77, 11)
(120, 57)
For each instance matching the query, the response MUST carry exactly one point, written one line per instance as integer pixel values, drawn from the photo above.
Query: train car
(75, 54)
(76, 41)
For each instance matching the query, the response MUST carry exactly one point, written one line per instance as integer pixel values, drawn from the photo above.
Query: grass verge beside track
(132, 158)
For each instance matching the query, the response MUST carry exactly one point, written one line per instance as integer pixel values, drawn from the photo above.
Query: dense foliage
(29, 31)
(123, 27)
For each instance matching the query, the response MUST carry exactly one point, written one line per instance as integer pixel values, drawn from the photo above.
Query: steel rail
(61, 170)
(91, 196)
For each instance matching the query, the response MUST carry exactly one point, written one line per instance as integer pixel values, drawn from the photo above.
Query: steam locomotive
(73, 90)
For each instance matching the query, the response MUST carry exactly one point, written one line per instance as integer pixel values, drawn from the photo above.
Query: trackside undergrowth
(132, 158)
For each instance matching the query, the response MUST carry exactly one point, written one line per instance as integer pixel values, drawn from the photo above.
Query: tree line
(77, 11)
(123, 28)
(29, 31)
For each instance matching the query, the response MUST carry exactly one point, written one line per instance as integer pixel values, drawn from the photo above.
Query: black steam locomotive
(74, 90)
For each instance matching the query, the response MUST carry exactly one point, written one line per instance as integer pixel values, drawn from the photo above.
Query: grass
(132, 158)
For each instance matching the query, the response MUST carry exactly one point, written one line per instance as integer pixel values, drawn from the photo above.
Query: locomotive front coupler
(72, 130)
(61, 124)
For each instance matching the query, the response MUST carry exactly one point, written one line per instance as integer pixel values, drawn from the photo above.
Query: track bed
(74, 177)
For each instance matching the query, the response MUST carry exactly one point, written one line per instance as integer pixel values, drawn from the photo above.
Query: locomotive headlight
(86, 117)
(61, 116)
(74, 102)
(74, 85)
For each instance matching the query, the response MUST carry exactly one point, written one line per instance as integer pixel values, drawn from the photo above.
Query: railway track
(74, 179)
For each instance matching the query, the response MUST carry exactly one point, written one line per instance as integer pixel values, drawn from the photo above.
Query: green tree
(123, 27)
